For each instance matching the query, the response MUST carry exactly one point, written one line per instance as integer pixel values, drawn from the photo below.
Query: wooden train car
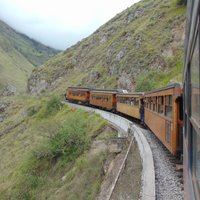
(105, 99)
(129, 104)
(191, 105)
(164, 117)
(77, 94)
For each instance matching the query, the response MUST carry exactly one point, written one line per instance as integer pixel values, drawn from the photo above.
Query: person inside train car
(142, 112)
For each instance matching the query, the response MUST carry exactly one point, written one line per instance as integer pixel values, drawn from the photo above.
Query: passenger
(142, 113)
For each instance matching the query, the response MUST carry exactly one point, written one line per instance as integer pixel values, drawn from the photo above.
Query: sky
(59, 23)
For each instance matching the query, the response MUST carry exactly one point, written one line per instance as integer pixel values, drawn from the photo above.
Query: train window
(156, 104)
(196, 158)
(132, 101)
(147, 102)
(160, 104)
(150, 103)
(154, 101)
(136, 101)
(195, 76)
(168, 106)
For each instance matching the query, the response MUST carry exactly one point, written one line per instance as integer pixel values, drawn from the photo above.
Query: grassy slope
(14, 68)
(36, 162)
(18, 56)
(144, 39)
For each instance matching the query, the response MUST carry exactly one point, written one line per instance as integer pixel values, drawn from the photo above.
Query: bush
(149, 80)
(71, 139)
(51, 107)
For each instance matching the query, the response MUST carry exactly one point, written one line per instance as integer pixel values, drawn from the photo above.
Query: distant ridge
(18, 56)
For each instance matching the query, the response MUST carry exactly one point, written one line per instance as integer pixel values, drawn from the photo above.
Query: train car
(105, 99)
(129, 104)
(78, 95)
(191, 85)
(163, 115)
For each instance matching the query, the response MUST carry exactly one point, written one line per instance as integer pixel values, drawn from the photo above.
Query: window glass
(196, 157)
(195, 100)
(136, 101)
(156, 104)
(150, 103)
(160, 104)
(168, 106)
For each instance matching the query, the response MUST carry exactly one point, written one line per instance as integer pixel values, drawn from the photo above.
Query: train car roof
(78, 88)
(173, 85)
(130, 94)
(104, 91)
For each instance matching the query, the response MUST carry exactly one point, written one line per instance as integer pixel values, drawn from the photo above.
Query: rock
(10, 90)
(94, 75)
(57, 82)
(63, 178)
(120, 55)
(1, 118)
(126, 81)
(37, 86)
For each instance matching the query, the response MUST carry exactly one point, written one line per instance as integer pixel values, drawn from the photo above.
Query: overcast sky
(60, 23)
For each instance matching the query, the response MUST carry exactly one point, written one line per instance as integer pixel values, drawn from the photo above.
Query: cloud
(59, 23)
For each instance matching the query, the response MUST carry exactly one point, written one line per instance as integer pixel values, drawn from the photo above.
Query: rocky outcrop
(142, 38)
(9, 90)
(36, 86)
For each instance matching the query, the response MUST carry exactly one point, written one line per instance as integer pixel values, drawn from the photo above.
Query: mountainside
(18, 56)
(139, 49)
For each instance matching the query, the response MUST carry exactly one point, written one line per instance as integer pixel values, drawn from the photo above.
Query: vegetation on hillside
(49, 144)
(18, 56)
(145, 38)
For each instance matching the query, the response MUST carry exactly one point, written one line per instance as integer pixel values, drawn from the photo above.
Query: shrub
(71, 139)
(52, 106)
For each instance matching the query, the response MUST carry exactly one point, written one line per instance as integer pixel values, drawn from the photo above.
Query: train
(171, 112)
(191, 102)
(162, 109)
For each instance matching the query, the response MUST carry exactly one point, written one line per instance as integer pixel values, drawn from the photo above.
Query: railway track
(168, 178)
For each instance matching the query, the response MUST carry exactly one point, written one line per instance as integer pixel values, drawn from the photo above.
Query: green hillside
(18, 56)
(139, 49)
(52, 151)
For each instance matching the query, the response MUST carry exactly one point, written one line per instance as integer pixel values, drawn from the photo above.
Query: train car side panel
(129, 110)
(78, 94)
(103, 100)
(156, 123)
(161, 116)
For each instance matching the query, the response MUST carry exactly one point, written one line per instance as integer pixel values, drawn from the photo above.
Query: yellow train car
(105, 99)
(77, 94)
(129, 104)
(163, 115)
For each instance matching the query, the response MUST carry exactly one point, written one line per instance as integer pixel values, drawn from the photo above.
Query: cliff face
(18, 56)
(143, 42)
